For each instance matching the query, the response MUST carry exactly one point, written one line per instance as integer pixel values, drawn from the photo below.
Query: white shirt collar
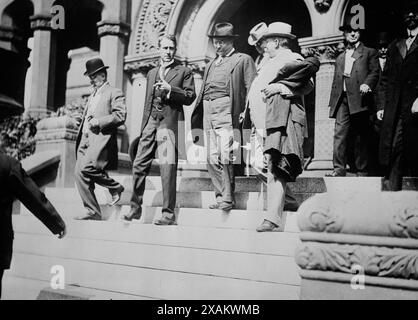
(229, 53)
(413, 32)
(96, 90)
(356, 46)
(166, 64)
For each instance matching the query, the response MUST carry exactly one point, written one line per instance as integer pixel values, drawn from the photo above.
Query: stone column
(113, 39)
(43, 68)
(195, 154)
(326, 49)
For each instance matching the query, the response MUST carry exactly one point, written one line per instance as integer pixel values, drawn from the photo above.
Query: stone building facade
(125, 33)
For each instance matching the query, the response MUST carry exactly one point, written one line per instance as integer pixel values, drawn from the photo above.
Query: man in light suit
(219, 105)
(355, 78)
(169, 87)
(96, 145)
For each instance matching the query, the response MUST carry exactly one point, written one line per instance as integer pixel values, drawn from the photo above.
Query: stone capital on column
(40, 22)
(197, 66)
(113, 28)
(326, 49)
(140, 64)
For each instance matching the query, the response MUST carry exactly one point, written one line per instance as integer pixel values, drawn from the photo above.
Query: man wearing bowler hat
(96, 144)
(355, 78)
(219, 105)
(398, 151)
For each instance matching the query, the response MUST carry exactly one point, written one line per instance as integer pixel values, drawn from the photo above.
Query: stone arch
(201, 16)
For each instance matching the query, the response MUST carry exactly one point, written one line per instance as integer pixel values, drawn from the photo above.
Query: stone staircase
(208, 255)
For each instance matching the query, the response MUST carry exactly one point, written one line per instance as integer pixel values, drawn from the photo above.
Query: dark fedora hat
(223, 30)
(93, 66)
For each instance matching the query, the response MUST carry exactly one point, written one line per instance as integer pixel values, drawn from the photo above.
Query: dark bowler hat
(223, 30)
(93, 66)
(383, 39)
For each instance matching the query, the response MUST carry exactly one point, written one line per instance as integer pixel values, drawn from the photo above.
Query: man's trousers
(347, 126)
(219, 140)
(155, 138)
(87, 175)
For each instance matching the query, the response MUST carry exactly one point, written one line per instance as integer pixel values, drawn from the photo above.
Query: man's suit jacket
(400, 87)
(242, 74)
(182, 93)
(111, 113)
(365, 71)
(15, 183)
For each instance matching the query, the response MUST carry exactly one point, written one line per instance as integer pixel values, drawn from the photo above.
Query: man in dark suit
(169, 87)
(96, 145)
(15, 183)
(355, 78)
(221, 101)
(399, 135)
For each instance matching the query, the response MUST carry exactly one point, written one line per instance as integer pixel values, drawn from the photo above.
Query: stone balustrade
(359, 242)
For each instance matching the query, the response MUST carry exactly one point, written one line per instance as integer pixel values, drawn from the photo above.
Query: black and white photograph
(237, 151)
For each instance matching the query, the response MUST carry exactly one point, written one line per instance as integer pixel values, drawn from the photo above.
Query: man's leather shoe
(116, 196)
(335, 174)
(167, 219)
(133, 215)
(268, 226)
(226, 206)
(215, 206)
(88, 217)
(293, 207)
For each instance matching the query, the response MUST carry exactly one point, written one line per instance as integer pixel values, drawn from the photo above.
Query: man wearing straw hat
(257, 115)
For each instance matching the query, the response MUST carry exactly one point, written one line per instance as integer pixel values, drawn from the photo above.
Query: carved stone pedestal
(59, 134)
(360, 244)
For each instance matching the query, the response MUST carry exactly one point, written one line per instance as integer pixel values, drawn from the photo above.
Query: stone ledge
(40, 161)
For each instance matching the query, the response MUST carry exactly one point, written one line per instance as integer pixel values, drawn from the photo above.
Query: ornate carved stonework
(119, 29)
(328, 52)
(141, 65)
(197, 66)
(57, 128)
(40, 22)
(322, 6)
(10, 34)
(152, 24)
(375, 261)
(382, 214)
(184, 38)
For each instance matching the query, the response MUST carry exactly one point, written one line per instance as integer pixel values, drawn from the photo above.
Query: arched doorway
(244, 14)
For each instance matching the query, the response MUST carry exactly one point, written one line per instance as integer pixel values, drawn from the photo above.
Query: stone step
(217, 263)
(230, 240)
(63, 197)
(195, 217)
(154, 283)
(137, 261)
(18, 288)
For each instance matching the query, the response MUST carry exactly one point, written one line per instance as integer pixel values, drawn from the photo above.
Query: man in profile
(96, 145)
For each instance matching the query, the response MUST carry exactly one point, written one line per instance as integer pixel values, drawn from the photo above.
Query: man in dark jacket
(169, 86)
(15, 183)
(399, 135)
(219, 105)
(355, 78)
